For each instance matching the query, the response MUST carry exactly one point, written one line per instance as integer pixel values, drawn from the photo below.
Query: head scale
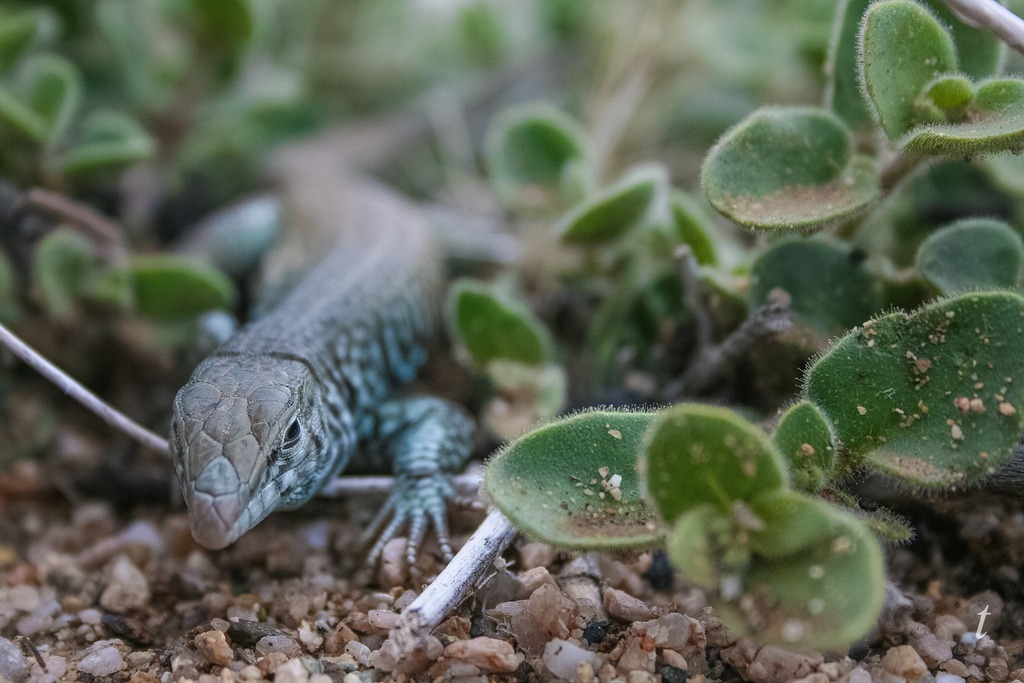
(245, 440)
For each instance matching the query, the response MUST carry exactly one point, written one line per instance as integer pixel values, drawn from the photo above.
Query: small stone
(309, 637)
(105, 661)
(213, 647)
(904, 661)
(127, 588)
(490, 655)
(673, 674)
(677, 632)
(562, 658)
(292, 671)
(549, 613)
(24, 598)
(13, 666)
(90, 616)
(393, 570)
(625, 607)
(948, 628)
(531, 580)
(674, 659)
(932, 650)
(359, 652)
(635, 676)
(320, 678)
(774, 664)
(381, 621)
(595, 631)
(535, 555)
(278, 643)
(943, 677)
(998, 670)
(638, 654)
(956, 667)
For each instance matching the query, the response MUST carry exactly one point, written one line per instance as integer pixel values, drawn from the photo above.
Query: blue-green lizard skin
(310, 388)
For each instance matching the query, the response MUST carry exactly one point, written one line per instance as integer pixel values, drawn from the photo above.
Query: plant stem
(714, 362)
(692, 290)
(91, 401)
(453, 585)
(991, 15)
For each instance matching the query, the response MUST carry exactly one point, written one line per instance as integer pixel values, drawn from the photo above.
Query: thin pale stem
(692, 290)
(72, 388)
(453, 585)
(990, 15)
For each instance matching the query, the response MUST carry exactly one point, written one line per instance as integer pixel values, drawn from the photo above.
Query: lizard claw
(415, 504)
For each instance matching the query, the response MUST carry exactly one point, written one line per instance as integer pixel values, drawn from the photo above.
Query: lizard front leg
(425, 440)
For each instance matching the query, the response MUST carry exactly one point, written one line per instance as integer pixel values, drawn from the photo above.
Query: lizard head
(244, 441)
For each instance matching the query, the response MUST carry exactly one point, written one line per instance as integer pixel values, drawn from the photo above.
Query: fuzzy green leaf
(830, 286)
(975, 253)
(613, 212)
(902, 48)
(107, 139)
(993, 123)
(20, 29)
(843, 93)
(534, 153)
(788, 168)
(63, 263)
(693, 227)
(791, 522)
(936, 397)
(491, 325)
(698, 454)
(558, 482)
(170, 287)
(825, 596)
(54, 92)
(805, 438)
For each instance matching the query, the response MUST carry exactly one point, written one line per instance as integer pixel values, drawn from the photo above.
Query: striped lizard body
(296, 396)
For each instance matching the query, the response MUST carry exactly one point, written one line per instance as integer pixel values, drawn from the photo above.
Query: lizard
(311, 387)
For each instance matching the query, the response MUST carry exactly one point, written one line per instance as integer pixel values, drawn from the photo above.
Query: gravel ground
(87, 593)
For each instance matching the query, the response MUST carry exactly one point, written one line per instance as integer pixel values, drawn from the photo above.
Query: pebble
(948, 627)
(562, 658)
(278, 643)
(677, 632)
(535, 555)
(673, 674)
(638, 654)
(359, 652)
(214, 647)
(144, 533)
(531, 580)
(13, 666)
(292, 671)
(904, 661)
(105, 661)
(956, 667)
(943, 677)
(127, 588)
(23, 598)
(490, 655)
(549, 613)
(932, 649)
(625, 607)
(90, 616)
(309, 637)
(771, 663)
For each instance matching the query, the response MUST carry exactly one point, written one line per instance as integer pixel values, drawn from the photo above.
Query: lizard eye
(292, 436)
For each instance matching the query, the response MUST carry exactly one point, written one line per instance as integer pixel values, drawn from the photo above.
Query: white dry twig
(454, 584)
(991, 15)
(112, 416)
